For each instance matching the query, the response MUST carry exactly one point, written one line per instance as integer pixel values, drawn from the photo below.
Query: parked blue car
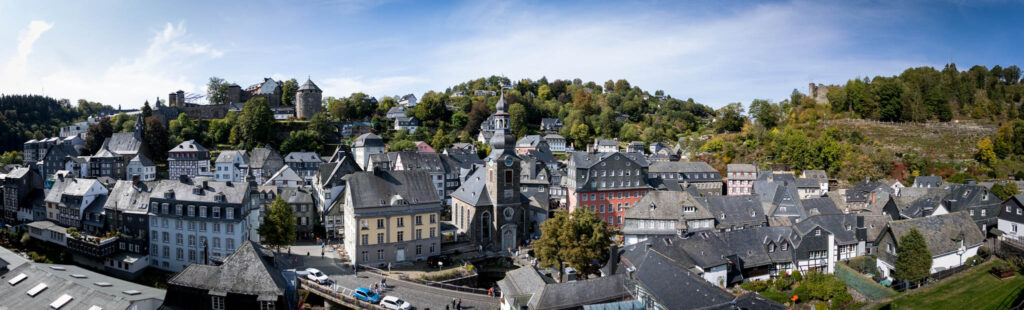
(365, 294)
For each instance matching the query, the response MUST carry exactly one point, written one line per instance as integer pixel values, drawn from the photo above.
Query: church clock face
(508, 161)
(509, 213)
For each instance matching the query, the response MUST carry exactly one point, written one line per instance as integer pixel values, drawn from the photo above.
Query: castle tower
(307, 100)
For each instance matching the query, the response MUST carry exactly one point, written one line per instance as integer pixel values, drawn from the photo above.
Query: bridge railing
(440, 285)
(331, 293)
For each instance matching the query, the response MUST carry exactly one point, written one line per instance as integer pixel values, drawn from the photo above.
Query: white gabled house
(952, 239)
(1011, 217)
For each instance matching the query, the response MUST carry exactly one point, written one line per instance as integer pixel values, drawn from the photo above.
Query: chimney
(872, 197)
(206, 184)
(613, 259)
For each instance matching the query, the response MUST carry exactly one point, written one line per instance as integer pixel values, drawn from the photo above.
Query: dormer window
(784, 246)
(722, 216)
(771, 248)
(817, 232)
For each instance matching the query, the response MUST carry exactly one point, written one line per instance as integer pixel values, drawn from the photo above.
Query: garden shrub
(755, 286)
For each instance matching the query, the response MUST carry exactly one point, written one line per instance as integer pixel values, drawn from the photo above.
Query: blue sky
(126, 52)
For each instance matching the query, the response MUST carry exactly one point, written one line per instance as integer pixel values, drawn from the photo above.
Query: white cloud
(158, 70)
(762, 51)
(14, 72)
(378, 87)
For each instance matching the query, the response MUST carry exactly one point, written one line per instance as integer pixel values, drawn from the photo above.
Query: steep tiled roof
(681, 167)
(247, 271)
(941, 232)
(233, 192)
(265, 158)
(374, 190)
(129, 197)
(189, 146)
(228, 157)
(123, 143)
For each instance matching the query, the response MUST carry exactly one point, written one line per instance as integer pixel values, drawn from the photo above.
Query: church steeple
(502, 138)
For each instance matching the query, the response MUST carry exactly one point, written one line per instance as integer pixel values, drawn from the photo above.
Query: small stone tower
(307, 100)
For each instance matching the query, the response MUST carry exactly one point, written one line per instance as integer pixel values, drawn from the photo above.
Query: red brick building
(606, 183)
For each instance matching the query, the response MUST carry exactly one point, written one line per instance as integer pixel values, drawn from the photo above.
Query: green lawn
(974, 289)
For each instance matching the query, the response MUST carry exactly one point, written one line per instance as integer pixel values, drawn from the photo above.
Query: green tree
(544, 92)
(278, 227)
(98, 133)
(517, 119)
(440, 141)
(913, 261)
(580, 134)
(217, 90)
(303, 140)
(11, 157)
(459, 120)
(986, 152)
(730, 118)
(255, 126)
(576, 240)
(288, 90)
(157, 139)
(320, 125)
(765, 112)
(401, 145)
(1003, 191)
(959, 178)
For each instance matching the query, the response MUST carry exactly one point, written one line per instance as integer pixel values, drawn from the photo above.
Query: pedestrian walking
(458, 305)
(389, 267)
(453, 303)
(490, 292)
(446, 307)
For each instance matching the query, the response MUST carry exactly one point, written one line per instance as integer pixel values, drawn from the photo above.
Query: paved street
(421, 296)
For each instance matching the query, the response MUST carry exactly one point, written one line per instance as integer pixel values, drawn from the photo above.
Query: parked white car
(315, 275)
(395, 303)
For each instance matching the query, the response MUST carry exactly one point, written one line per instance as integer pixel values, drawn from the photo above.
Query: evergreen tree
(157, 139)
(913, 261)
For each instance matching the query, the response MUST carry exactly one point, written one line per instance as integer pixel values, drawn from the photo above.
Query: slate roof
(303, 157)
(295, 196)
(842, 226)
(524, 280)
(265, 158)
(550, 122)
(553, 136)
(473, 189)
(962, 197)
(233, 193)
(143, 160)
(681, 167)
(665, 279)
(123, 143)
(247, 271)
(931, 181)
(309, 85)
(749, 301)
(741, 168)
(807, 183)
(815, 174)
(862, 191)
(82, 288)
(587, 159)
(189, 146)
(606, 142)
(368, 140)
(873, 224)
(284, 174)
(582, 292)
(749, 245)
(369, 190)
(668, 205)
(529, 141)
(738, 210)
(129, 197)
(941, 231)
(229, 157)
(920, 205)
